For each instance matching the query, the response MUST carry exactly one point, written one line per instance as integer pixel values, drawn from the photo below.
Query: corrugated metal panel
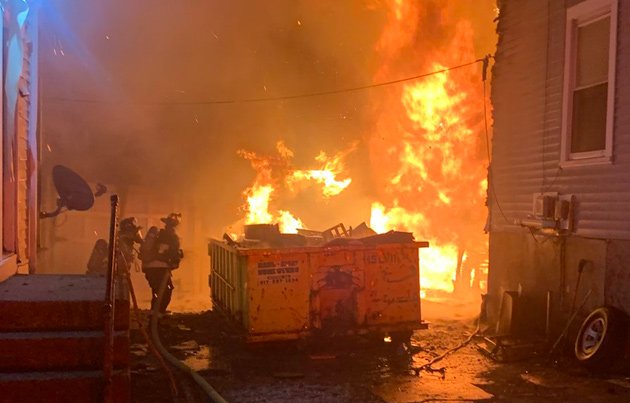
(527, 101)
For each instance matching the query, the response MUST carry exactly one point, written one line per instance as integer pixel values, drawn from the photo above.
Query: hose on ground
(150, 344)
(205, 386)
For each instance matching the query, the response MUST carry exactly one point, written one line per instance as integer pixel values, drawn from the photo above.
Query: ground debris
(534, 379)
(624, 383)
(322, 356)
(364, 372)
(441, 371)
(186, 345)
(288, 375)
(429, 365)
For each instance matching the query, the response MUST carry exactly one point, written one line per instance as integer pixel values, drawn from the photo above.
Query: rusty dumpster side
(294, 293)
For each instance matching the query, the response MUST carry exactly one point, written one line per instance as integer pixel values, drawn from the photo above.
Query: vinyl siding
(527, 100)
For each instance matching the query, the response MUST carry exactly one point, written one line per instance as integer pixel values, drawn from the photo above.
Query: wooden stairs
(51, 339)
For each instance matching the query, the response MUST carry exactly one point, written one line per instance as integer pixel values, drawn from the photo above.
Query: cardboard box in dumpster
(292, 293)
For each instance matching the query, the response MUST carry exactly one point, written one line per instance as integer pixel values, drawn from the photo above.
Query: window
(589, 82)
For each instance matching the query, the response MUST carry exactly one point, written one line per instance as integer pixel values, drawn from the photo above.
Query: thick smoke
(126, 87)
(155, 63)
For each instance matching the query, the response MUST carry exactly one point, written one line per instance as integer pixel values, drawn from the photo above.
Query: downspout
(563, 269)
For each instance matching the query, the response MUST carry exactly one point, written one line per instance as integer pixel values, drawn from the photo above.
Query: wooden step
(52, 351)
(58, 303)
(61, 387)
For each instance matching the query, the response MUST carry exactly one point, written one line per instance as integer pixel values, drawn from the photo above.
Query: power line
(268, 99)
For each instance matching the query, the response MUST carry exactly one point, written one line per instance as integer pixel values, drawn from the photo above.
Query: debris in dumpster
(388, 237)
(361, 231)
(229, 240)
(292, 240)
(261, 236)
(337, 231)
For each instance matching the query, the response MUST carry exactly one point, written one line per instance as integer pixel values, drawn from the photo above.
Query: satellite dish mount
(74, 192)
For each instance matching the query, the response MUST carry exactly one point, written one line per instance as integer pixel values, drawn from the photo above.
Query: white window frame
(582, 14)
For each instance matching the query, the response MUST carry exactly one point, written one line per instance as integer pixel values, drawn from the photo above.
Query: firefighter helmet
(172, 219)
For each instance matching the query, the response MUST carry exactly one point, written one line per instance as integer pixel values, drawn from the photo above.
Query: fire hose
(150, 344)
(199, 380)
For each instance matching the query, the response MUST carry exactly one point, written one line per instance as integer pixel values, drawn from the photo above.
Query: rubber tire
(599, 342)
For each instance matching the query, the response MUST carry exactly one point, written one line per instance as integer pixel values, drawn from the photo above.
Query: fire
(396, 218)
(326, 175)
(439, 260)
(428, 145)
(258, 201)
(288, 223)
(275, 175)
(427, 151)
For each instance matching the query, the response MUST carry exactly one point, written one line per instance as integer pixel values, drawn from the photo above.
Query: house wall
(19, 197)
(23, 122)
(527, 100)
(66, 241)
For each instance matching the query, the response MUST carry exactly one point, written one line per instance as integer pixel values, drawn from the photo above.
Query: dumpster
(348, 288)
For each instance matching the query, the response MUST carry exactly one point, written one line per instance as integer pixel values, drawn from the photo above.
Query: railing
(109, 306)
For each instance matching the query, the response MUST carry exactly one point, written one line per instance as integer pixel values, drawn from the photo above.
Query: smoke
(125, 83)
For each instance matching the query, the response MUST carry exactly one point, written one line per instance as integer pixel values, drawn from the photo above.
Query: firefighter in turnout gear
(160, 253)
(129, 234)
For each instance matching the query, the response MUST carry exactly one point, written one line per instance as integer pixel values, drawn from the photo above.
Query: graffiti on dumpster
(273, 272)
(382, 257)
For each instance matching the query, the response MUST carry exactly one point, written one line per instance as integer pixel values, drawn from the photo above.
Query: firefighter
(160, 254)
(129, 233)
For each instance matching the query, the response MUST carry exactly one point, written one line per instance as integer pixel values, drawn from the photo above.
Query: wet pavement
(362, 370)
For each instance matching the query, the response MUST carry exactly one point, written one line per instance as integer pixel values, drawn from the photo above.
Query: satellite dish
(74, 193)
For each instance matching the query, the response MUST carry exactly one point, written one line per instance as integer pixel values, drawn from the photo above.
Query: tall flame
(428, 147)
(427, 151)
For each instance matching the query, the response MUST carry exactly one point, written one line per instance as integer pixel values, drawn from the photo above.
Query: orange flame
(274, 174)
(327, 174)
(258, 198)
(429, 143)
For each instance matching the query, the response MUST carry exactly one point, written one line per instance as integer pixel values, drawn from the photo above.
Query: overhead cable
(267, 99)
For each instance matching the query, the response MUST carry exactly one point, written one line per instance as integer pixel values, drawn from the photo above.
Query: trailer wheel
(600, 339)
